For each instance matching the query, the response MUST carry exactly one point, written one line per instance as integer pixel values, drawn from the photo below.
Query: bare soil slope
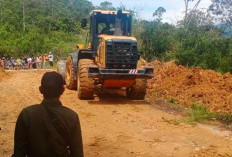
(192, 85)
(112, 125)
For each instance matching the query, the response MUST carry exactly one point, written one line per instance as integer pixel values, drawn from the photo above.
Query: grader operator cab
(110, 59)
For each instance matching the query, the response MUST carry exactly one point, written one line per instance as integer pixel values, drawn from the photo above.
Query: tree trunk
(24, 22)
(186, 12)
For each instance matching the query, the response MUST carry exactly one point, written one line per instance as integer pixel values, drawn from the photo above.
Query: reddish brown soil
(207, 87)
(112, 125)
(3, 74)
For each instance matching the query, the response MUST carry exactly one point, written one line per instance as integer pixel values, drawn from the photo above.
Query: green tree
(158, 13)
(38, 26)
(222, 9)
(106, 6)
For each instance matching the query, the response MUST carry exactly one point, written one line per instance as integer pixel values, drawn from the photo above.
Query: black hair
(52, 84)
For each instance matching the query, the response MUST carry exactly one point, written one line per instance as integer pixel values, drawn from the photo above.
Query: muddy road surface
(112, 125)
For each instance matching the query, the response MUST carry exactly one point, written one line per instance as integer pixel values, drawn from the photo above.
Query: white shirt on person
(29, 60)
(50, 57)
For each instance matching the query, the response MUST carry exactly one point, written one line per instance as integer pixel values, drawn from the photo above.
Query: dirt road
(112, 125)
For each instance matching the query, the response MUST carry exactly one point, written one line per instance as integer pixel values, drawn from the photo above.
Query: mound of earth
(3, 74)
(185, 86)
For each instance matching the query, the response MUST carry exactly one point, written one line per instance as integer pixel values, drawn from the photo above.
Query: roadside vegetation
(200, 113)
(196, 113)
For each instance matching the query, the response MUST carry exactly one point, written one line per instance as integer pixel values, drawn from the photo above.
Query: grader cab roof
(108, 12)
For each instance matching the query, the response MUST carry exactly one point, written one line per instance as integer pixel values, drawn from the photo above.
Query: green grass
(54, 66)
(196, 113)
(172, 101)
(200, 113)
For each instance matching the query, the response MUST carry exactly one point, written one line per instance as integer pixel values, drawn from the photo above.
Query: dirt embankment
(192, 85)
(3, 74)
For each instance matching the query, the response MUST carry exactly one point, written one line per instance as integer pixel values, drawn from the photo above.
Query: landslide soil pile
(185, 86)
(3, 74)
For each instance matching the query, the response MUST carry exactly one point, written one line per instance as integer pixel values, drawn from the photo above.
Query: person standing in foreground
(48, 129)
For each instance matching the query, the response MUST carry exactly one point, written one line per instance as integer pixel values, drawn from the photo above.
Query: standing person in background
(13, 63)
(50, 58)
(40, 61)
(18, 63)
(5, 63)
(23, 65)
(25, 62)
(34, 65)
(9, 64)
(29, 61)
(37, 62)
(45, 59)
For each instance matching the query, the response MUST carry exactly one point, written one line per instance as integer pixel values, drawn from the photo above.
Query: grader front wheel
(85, 85)
(138, 90)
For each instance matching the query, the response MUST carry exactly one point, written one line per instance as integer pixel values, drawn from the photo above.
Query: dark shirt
(25, 60)
(36, 136)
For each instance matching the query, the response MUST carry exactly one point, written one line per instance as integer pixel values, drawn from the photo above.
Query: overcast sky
(174, 8)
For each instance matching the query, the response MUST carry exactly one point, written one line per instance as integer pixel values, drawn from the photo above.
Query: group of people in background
(39, 62)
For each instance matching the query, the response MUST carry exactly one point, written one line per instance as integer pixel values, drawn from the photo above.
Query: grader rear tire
(138, 90)
(69, 75)
(85, 85)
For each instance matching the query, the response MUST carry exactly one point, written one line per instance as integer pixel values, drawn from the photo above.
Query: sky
(174, 8)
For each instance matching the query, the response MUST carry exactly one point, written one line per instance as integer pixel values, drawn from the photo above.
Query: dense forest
(29, 27)
(201, 38)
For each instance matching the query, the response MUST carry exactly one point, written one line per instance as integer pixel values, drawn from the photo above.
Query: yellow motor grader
(110, 59)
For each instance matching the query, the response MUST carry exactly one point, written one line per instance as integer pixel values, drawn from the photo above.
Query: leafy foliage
(106, 6)
(159, 12)
(196, 41)
(222, 9)
(29, 27)
(155, 38)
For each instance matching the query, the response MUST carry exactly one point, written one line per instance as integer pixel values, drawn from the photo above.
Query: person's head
(52, 85)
